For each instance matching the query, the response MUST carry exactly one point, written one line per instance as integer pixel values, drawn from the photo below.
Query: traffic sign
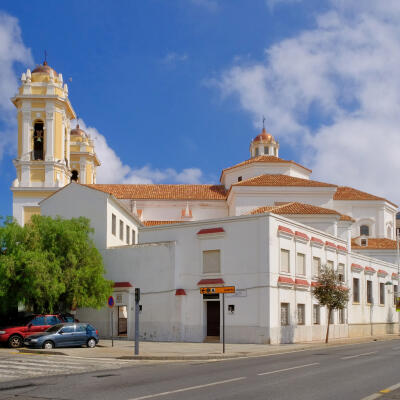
(215, 290)
(111, 302)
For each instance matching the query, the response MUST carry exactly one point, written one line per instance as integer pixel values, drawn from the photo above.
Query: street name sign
(215, 290)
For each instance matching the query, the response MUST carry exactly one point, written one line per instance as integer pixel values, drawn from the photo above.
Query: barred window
(316, 314)
(341, 316)
(284, 314)
(301, 264)
(356, 290)
(341, 272)
(301, 314)
(316, 266)
(285, 260)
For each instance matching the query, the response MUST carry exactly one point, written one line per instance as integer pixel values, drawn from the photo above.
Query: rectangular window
(301, 264)
(332, 318)
(301, 314)
(341, 316)
(395, 294)
(257, 152)
(114, 225)
(369, 292)
(329, 264)
(316, 314)
(285, 260)
(121, 230)
(133, 237)
(316, 265)
(284, 314)
(211, 261)
(356, 290)
(381, 293)
(240, 179)
(128, 232)
(341, 272)
(265, 149)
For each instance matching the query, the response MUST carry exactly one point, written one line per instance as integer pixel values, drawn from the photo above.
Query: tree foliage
(330, 292)
(51, 265)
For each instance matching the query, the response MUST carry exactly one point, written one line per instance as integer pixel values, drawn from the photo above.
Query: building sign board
(238, 293)
(215, 290)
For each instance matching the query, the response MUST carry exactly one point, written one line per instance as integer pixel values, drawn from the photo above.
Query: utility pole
(137, 309)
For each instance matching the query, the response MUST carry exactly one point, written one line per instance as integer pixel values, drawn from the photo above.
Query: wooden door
(213, 318)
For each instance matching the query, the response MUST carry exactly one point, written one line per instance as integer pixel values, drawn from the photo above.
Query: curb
(39, 351)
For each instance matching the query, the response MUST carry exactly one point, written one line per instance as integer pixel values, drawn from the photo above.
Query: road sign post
(137, 309)
(222, 290)
(111, 303)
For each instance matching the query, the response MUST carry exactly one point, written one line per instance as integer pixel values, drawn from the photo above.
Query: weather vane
(263, 120)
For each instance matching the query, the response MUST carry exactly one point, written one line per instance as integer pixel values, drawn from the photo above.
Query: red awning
(122, 284)
(210, 230)
(215, 281)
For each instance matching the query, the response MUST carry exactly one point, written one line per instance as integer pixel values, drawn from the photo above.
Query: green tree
(50, 265)
(330, 292)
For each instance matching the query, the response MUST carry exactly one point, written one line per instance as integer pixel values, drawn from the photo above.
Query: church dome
(264, 136)
(77, 131)
(44, 69)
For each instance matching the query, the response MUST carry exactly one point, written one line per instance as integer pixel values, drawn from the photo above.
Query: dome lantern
(264, 144)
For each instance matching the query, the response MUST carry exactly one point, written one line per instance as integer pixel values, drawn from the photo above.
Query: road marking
(288, 369)
(188, 388)
(358, 355)
(390, 388)
(372, 396)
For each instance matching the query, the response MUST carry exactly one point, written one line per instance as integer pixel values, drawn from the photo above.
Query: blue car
(64, 335)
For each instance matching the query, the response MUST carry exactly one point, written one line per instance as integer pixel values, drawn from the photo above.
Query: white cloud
(173, 58)
(333, 94)
(12, 50)
(113, 170)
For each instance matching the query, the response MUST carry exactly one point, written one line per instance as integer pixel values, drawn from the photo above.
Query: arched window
(38, 141)
(364, 230)
(75, 175)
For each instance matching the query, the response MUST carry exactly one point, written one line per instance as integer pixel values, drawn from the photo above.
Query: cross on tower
(263, 120)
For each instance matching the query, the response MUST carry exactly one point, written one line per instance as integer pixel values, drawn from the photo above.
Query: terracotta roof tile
(163, 192)
(375, 244)
(346, 218)
(349, 193)
(264, 159)
(154, 223)
(295, 208)
(281, 180)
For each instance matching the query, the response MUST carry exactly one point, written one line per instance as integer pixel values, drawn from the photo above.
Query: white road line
(13, 364)
(188, 388)
(390, 388)
(372, 396)
(358, 355)
(288, 369)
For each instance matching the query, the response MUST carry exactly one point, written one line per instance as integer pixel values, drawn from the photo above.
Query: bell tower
(43, 159)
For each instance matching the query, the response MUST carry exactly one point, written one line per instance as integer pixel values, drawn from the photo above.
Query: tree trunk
(329, 321)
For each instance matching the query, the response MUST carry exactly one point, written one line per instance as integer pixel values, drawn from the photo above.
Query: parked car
(67, 317)
(64, 335)
(14, 331)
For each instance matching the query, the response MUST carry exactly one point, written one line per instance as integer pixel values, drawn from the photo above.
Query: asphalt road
(345, 373)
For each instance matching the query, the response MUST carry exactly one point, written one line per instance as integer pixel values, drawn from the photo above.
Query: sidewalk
(124, 349)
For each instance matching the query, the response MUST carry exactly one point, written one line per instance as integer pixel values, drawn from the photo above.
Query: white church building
(266, 228)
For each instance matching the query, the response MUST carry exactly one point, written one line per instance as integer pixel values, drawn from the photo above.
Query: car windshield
(54, 328)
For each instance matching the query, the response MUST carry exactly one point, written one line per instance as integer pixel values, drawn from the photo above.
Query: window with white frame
(301, 264)
(332, 317)
(329, 264)
(265, 149)
(381, 293)
(114, 224)
(369, 292)
(364, 230)
(316, 314)
(128, 233)
(356, 290)
(285, 314)
(121, 229)
(211, 261)
(133, 236)
(342, 316)
(316, 266)
(301, 314)
(341, 272)
(285, 260)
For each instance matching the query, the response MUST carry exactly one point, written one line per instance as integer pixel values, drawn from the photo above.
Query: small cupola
(264, 144)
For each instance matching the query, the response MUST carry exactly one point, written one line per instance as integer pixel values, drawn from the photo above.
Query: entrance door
(212, 318)
(122, 321)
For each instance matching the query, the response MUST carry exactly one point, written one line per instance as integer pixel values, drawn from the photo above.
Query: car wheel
(48, 345)
(15, 341)
(91, 343)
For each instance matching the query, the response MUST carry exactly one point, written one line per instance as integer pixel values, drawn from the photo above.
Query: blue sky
(174, 90)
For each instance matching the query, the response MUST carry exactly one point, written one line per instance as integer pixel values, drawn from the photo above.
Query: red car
(15, 333)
